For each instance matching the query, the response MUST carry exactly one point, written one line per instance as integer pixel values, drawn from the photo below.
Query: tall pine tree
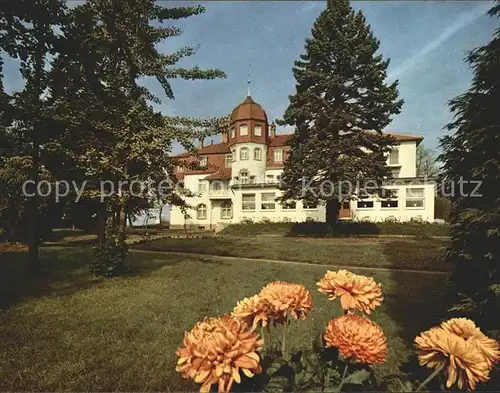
(340, 106)
(470, 155)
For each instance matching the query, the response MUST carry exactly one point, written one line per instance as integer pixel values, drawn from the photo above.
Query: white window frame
(278, 155)
(226, 210)
(414, 199)
(201, 212)
(257, 127)
(247, 153)
(288, 205)
(244, 127)
(395, 191)
(269, 178)
(203, 162)
(244, 179)
(394, 150)
(248, 207)
(228, 160)
(309, 208)
(257, 157)
(264, 201)
(202, 186)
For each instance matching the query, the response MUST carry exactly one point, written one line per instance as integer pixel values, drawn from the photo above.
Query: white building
(240, 175)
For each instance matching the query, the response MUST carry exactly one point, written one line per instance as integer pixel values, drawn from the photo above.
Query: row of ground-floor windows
(226, 211)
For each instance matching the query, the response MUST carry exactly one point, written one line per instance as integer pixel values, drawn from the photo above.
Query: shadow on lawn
(64, 271)
(418, 301)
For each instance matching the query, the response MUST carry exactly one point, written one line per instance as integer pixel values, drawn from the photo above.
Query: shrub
(109, 259)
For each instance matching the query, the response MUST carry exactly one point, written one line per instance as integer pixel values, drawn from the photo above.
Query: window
(217, 186)
(244, 177)
(257, 130)
(267, 201)
(243, 130)
(233, 133)
(390, 198)
(244, 153)
(289, 205)
(309, 205)
(179, 168)
(233, 155)
(202, 186)
(201, 212)
(270, 178)
(252, 179)
(415, 197)
(248, 202)
(226, 210)
(278, 178)
(257, 154)
(394, 157)
(365, 204)
(203, 162)
(278, 155)
(228, 160)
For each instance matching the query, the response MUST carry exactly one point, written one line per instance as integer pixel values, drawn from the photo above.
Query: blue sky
(426, 42)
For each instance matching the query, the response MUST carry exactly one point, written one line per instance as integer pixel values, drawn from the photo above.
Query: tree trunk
(102, 218)
(159, 221)
(332, 212)
(34, 238)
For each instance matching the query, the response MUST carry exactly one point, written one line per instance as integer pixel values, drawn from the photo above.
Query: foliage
(470, 153)
(321, 229)
(340, 106)
(109, 258)
(426, 161)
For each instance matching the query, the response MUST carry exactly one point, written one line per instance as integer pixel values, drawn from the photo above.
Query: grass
(321, 229)
(384, 253)
(68, 331)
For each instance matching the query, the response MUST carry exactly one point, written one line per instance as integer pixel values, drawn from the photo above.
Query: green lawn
(68, 331)
(390, 253)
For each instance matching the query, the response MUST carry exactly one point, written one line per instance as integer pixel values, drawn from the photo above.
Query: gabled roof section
(218, 148)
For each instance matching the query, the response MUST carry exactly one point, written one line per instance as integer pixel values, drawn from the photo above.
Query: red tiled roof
(218, 148)
(220, 174)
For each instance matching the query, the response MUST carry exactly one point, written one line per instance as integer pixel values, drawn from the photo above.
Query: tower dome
(248, 110)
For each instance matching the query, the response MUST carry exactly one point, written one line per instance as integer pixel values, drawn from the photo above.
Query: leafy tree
(340, 106)
(29, 34)
(427, 165)
(102, 106)
(470, 154)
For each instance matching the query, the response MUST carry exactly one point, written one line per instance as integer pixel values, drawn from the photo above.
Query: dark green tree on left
(29, 34)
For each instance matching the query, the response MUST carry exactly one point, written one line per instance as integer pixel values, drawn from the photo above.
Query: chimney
(211, 142)
(273, 130)
(201, 142)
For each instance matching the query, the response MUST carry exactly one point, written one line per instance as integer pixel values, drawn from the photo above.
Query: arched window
(226, 210)
(243, 130)
(257, 130)
(244, 153)
(257, 154)
(201, 212)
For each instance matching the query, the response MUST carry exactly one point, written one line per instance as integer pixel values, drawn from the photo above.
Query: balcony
(219, 193)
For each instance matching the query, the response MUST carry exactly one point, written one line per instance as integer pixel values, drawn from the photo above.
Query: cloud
(463, 20)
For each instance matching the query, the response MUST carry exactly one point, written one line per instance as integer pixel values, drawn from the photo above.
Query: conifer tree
(471, 159)
(341, 104)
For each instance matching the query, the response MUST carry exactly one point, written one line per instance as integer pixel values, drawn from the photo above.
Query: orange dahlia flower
(215, 351)
(357, 338)
(255, 311)
(468, 330)
(355, 291)
(287, 298)
(464, 363)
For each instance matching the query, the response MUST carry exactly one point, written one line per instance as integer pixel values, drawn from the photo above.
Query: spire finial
(248, 82)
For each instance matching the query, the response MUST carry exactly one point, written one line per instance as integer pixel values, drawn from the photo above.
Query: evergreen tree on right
(471, 157)
(340, 106)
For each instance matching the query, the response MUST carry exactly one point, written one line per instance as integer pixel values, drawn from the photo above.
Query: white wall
(255, 168)
(407, 159)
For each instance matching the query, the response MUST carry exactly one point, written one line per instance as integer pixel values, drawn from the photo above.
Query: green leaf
(277, 384)
(358, 377)
(276, 366)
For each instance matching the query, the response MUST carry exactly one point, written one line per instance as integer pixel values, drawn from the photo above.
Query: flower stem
(283, 342)
(343, 376)
(431, 377)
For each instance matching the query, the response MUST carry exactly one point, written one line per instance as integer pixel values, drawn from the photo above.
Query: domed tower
(247, 139)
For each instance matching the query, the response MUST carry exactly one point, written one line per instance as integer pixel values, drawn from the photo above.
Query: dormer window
(244, 177)
(243, 130)
(257, 154)
(244, 153)
(233, 133)
(203, 162)
(257, 130)
(228, 160)
(278, 156)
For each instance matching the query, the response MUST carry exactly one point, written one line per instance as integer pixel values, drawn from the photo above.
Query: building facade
(238, 180)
